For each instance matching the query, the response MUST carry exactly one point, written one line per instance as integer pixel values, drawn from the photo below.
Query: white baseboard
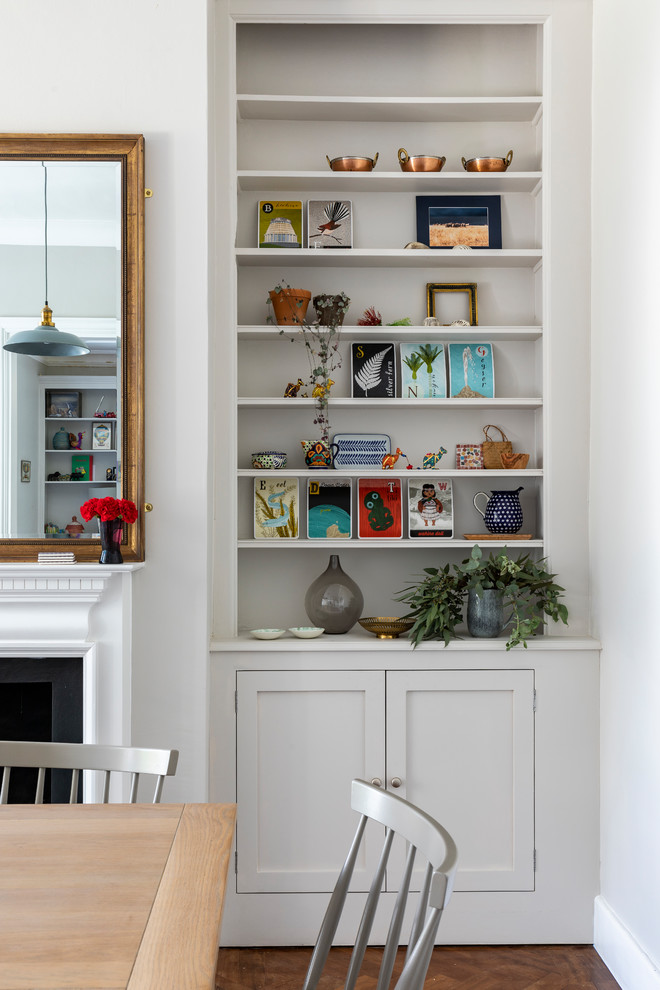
(625, 959)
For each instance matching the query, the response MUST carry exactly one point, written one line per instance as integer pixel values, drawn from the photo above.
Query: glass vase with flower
(111, 513)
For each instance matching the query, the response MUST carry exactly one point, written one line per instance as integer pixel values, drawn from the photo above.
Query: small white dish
(306, 632)
(267, 633)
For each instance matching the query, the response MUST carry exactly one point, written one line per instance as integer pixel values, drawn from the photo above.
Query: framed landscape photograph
(329, 224)
(63, 404)
(459, 221)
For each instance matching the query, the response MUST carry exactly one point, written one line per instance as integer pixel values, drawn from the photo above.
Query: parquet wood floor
(534, 967)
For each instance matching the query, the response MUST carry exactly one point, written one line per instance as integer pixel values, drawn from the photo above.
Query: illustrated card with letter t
(379, 508)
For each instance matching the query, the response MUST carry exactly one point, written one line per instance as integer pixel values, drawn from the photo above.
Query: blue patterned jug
(503, 513)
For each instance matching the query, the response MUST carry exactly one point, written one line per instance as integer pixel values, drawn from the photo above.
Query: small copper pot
(488, 164)
(350, 163)
(419, 163)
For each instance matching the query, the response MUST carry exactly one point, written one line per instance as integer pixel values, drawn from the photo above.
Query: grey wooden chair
(83, 756)
(424, 836)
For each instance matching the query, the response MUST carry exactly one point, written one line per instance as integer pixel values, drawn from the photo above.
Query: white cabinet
(458, 743)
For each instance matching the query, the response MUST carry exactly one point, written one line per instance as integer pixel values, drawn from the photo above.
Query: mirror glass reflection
(61, 428)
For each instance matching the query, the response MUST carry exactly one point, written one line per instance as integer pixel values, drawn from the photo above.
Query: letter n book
(379, 509)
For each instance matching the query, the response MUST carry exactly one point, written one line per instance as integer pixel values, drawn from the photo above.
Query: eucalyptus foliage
(528, 590)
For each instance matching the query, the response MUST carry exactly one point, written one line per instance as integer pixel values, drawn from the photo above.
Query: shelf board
(388, 109)
(382, 181)
(81, 484)
(431, 258)
(261, 401)
(379, 544)
(350, 333)
(366, 472)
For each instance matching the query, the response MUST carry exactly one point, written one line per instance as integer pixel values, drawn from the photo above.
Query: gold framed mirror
(72, 428)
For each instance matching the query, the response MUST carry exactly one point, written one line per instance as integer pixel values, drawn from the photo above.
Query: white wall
(625, 539)
(139, 66)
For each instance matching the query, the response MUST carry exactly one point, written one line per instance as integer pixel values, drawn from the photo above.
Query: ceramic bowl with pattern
(267, 633)
(306, 632)
(266, 460)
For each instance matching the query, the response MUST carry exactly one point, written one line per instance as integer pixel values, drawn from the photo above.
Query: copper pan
(349, 163)
(419, 163)
(488, 164)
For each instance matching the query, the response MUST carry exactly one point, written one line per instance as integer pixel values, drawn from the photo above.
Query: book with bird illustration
(329, 509)
(275, 508)
(471, 371)
(329, 224)
(373, 371)
(380, 508)
(423, 374)
(430, 509)
(280, 224)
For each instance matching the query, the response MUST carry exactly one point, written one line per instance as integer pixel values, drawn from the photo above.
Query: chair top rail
(88, 756)
(425, 833)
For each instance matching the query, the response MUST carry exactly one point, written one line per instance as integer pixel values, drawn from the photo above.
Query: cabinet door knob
(396, 782)
(376, 781)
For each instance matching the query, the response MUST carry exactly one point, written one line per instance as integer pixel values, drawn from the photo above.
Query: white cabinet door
(302, 736)
(462, 744)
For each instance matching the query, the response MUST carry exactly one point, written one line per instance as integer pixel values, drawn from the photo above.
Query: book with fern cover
(423, 373)
(373, 370)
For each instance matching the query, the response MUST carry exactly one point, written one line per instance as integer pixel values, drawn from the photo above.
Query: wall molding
(624, 957)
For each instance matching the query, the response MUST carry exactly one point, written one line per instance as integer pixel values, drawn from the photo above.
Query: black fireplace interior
(41, 699)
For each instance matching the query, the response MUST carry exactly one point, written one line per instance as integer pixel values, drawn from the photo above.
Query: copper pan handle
(464, 163)
(403, 156)
(375, 159)
(509, 159)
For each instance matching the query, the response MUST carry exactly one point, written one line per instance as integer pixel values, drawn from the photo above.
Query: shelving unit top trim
(250, 180)
(390, 109)
(385, 257)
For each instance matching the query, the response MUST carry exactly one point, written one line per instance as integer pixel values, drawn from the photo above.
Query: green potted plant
(491, 587)
(321, 339)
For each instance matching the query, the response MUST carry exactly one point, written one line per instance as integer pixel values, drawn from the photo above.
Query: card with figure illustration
(423, 374)
(329, 224)
(280, 224)
(471, 371)
(275, 508)
(373, 371)
(430, 509)
(329, 509)
(380, 508)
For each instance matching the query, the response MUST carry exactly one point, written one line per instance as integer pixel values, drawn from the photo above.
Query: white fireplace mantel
(48, 602)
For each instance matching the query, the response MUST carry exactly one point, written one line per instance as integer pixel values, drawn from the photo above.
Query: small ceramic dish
(306, 632)
(267, 633)
(266, 460)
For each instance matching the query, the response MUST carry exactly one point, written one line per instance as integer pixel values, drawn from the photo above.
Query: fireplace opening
(41, 699)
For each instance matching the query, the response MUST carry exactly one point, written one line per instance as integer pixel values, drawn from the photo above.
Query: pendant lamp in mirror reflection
(46, 339)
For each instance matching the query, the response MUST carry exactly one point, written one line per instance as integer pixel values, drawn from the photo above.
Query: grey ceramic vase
(333, 601)
(485, 613)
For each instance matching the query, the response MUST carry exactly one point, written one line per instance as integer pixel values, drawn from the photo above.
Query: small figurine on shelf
(292, 389)
(75, 441)
(430, 460)
(111, 474)
(389, 460)
(322, 389)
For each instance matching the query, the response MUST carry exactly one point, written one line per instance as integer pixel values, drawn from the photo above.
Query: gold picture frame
(433, 288)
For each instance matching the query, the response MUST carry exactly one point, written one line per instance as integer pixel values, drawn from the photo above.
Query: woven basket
(491, 449)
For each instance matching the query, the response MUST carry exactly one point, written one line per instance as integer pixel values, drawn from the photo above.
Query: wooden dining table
(112, 897)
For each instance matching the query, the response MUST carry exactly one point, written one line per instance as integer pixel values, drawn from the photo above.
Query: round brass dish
(349, 163)
(386, 627)
(488, 164)
(419, 163)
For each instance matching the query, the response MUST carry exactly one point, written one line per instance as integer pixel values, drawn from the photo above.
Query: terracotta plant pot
(290, 306)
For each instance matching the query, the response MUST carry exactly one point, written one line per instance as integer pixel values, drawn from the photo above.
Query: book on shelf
(380, 508)
(373, 370)
(276, 508)
(423, 371)
(280, 223)
(329, 509)
(430, 508)
(471, 371)
(329, 223)
(82, 464)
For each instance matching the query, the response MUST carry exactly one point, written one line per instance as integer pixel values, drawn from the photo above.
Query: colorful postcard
(329, 224)
(329, 509)
(82, 464)
(471, 371)
(275, 508)
(380, 509)
(430, 509)
(373, 371)
(102, 436)
(423, 374)
(280, 224)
